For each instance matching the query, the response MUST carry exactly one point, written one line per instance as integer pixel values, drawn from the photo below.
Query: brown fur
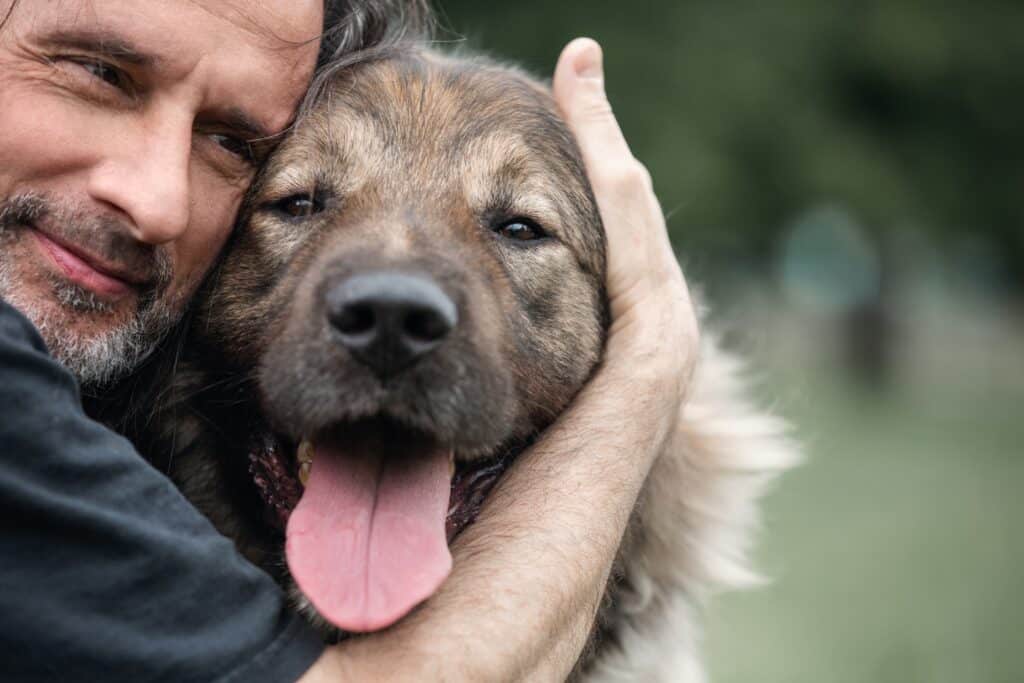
(417, 157)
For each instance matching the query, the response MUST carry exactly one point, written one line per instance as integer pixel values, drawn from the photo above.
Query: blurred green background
(844, 181)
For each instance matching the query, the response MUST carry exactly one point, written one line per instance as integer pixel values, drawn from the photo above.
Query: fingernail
(588, 63)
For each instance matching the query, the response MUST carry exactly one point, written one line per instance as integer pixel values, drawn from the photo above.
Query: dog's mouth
(368, 509)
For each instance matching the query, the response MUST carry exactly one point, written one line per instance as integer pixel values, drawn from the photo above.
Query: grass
(897, 551)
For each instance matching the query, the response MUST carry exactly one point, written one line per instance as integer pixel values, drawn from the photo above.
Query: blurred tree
(905, 112)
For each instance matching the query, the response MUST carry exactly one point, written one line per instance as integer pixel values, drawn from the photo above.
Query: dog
(414, 293)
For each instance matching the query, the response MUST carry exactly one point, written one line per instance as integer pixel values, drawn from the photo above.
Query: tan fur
(413, 154)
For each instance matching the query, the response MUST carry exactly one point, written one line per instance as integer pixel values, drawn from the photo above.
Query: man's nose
(144, 173)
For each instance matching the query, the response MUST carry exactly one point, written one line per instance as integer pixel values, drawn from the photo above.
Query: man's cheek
(43, 142)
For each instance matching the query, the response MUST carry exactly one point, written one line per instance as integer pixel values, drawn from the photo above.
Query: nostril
(355, 318)
(426, 325)
(387, 320)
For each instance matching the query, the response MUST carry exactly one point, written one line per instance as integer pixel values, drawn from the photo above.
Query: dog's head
(418, 277)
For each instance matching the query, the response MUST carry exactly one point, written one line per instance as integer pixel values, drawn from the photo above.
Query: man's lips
(85, 270)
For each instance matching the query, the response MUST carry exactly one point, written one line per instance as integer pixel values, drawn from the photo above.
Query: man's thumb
(579, 91)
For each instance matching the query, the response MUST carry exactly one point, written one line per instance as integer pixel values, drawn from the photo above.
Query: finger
(621, 184)
(639, 252)
(652, 314)
(580, 94)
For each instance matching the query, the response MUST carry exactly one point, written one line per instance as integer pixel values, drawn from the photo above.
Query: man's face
(123, 156)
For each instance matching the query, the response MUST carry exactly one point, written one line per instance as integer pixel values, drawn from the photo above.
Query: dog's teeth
(306, 452)
(305, 458)
(451, 464)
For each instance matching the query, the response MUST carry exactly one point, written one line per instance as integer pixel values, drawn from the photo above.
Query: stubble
(114, 349)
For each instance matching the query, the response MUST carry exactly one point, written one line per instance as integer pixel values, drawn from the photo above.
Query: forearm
(107, 572)
(561, 513)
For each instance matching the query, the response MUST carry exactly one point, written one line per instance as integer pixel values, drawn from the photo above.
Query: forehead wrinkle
(99, 40)
(240, 16)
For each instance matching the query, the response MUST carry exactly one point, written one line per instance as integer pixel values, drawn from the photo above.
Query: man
(124, 155)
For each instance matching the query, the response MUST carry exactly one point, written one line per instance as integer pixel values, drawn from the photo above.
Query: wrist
(653, 344)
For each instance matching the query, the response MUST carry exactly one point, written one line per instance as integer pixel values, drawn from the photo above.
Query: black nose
(389, 319)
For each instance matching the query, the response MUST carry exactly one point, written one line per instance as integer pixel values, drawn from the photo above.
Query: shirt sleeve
(106, 572)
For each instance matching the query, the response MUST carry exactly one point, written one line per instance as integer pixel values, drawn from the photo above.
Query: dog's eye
(298, 206)
(520, 229)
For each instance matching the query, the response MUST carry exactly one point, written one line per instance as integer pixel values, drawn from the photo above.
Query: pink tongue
(366, 542)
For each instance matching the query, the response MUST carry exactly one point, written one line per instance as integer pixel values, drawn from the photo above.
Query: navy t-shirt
(106, 572)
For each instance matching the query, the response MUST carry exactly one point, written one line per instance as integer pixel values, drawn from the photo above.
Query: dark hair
(360, 31)
(354, 26)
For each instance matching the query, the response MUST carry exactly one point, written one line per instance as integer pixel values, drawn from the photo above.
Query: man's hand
(530, 572)
(654, 334)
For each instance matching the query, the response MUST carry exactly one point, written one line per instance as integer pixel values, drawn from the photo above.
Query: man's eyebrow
(101, 42)
(244, 124)
(107, 43)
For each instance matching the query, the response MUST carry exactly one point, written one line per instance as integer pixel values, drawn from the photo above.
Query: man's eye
(110, 75)
(240, 148)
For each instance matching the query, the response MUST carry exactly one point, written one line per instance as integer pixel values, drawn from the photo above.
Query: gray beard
(99, 359)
